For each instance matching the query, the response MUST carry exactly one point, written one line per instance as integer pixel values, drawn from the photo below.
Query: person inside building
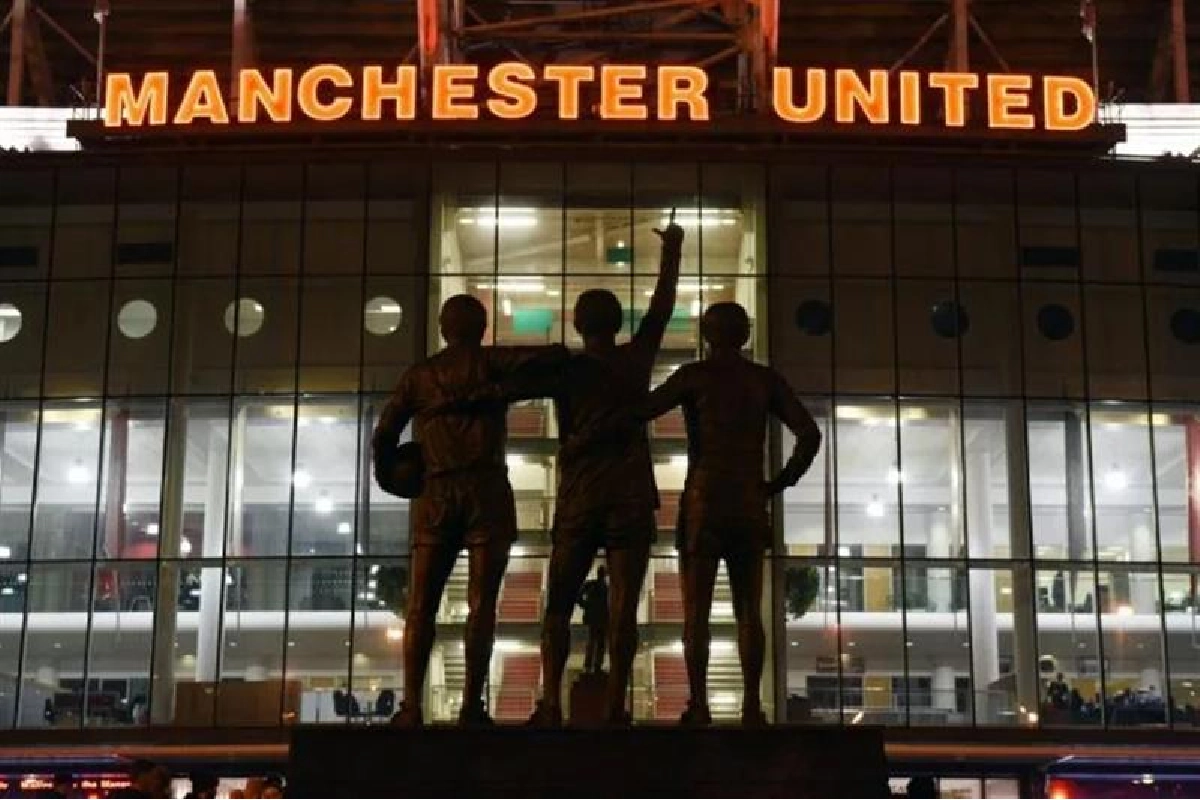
(146, 779)
(593, 599)
(727, 401)
(466, 500)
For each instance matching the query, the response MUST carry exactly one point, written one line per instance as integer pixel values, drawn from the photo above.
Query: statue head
(725, 326)
(598, 313)
(463, 320)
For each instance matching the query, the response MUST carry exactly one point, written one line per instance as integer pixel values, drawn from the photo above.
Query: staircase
(520, 597)
(670, 686)
(520, 681)
(667, 600)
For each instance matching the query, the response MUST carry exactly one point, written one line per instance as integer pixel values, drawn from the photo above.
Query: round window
(1055, 322)
(382, 316)
(137, 318)
(250, 316)
(814, 317)
(10, 321)
(1185, 325)
(949, 319)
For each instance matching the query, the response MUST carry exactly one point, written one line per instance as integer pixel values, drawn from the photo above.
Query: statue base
(643, 761)
(587, 699)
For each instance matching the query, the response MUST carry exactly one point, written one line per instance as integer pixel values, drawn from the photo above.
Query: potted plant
(801, 587)
(391, 588)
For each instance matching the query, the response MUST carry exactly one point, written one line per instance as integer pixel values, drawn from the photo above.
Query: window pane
(657, 188)
(270, 233)
(67, 487)
(807, 523)
(251, 691)
(202, 353)
(327, 452)
(924, 232)
(986, 222)
(318, 650)
(377, 640)
(929, 323)
(1116, 345)
(14, 584)
(397, 219)
(864, 359)
(52, 675)
(331, 331)
(118, 664)
(266, 332)
(22, 335)
(140, 337)
(862, 224)
(1108, 227)
(1133, 647)
(529, 225)
(1124, 490)
(813, 643)
(26, 200)
(83, 223)
(929, 476)
(75, 338)
(1053, 349)
(1060, 488)
(1177, 462)
(18, 443)
(1169, 227)
(146, 221)
(867, 478)
(262, 477)
(131, 481)
(1069, 646)
(333, 218)
(939, 656)
(800, 232)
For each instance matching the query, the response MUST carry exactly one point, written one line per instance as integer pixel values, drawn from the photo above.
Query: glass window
(800, 226)
(939, 656)
(375, 666)
(995, 496)
(262, 476)
(22, 337)
(1176, 442)
(26, 200)
(1173, 342)
(868, 478)
(383, 518)
(731, 242)
(83, 223)
(18, 445)
(924, 227)
(119, 646)
(67, 486)
(929, 323)
(800, 315)
(327, 454)
(317, 654)
(52, 672)
(1183, 628)
(131, 481)
(1169, 227)
(1004, 649)
(209, 220)
(1123, 483)
(331, 331)
(140, 337)
(387, 353)
(1052, 330)
(989, 348)
(807, 523)
(811, 609)
(1116, 344)
(1133, 648)
(874, 653)
(1048, 230)
(333, 218)
(202, 351)
(1108, 226)
(657, 188)
(862, 224)
(14, 585)
(146, 221)
(397, 220)
(928, 475)
(465, 219)
(266, 359)
(528, 228)
(75, 338)
(986, 222)
(251, 690)
(1069, 656)
(1060, 489)
(271, 213)
(864, 360)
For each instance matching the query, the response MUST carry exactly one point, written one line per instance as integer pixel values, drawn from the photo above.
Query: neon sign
(328, 93)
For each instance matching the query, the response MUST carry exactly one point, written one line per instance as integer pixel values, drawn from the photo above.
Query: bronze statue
(593, 600)
(465, 498)
(726, 401)
(606, 493)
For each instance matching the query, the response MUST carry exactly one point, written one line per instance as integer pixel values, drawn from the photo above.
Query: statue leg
(569, 567)
(746, 585)
(430, 568)
(627, 571)
(486, 571)
(699, 577)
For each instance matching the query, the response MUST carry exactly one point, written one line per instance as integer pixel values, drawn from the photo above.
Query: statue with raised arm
(727, 401)
(465, 498)
(606, 494)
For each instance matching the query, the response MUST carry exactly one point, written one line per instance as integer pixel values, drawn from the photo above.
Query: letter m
(123, 105)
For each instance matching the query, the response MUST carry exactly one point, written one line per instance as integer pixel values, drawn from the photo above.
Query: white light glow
(514, 460)
(152, 529)
(694, 308)
(343, 528)
(78, 473)
(185, 546)
(875, 509)
(843, 551)
(895, 476)
(680, 460)
(721, 646)
(5, 551)
(394, 634)
(324, 505)
(301, 479)
(515, 286)
(504, 218)
(1125, 611)
(1116, 480)
(708, 217)
(507, 307)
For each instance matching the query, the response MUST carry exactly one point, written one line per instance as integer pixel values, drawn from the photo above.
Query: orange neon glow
(308, 93)
(621, 92)
(1008, 100)
(815, 101)
(123, 105)
(402, 91)
(849, 91)
(516, 98)
(254, 92)
(955, 85)
(569, 78)
(1057, 90)
(202, 100)
(453, 83)
(682, 85)
(910, 98)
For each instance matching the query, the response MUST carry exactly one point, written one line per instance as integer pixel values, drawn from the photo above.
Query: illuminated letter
(310, 83)
(448, 87)
(202, 99)
(910, 98)
(122, 104)
(1057, 90)
(276, 99)
(519, 100)
(1004, 105)
(955, 86)
(614, 91)
(781, 96)
(568, 77)
(403, 92)
(682, 85)
(850, 92)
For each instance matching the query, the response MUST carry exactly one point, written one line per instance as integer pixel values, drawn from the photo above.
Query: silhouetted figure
(1058, 591)
(466, 500)
(1058, 694)
(63, 786)
(922, 786)
(727, 401)
(146, 779)
(606, 494)
(204, 785)
(593, 599)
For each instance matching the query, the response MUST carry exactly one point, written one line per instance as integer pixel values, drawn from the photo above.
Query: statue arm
(514, 373)
(396, 415)
(653, 326)
(618, 425)
(793, 414)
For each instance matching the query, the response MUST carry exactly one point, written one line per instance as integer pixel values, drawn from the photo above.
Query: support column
(208, 630)
(243, 43)
(166, 604)
(1143, 589)
(1179, 52)
(1191, 430)
(16, 50)
(943, 688)
(985, 642)
(1025, 649)
(1151, 679)
(939, 547)
(960, 22)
